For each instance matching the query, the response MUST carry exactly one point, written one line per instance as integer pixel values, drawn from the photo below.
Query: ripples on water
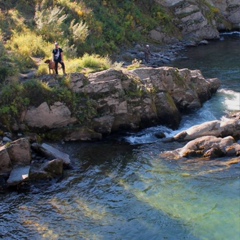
(121, 189)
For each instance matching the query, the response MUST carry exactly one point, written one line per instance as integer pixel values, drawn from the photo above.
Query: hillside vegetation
(88, 31)
(91, 27)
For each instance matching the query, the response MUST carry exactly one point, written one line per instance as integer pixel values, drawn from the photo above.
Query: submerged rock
(51, 152)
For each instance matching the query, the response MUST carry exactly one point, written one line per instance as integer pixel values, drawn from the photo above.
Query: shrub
(86, 64)
(8, 66)
(49, 23)
(95, 62)
(42, 70)
(28, 44)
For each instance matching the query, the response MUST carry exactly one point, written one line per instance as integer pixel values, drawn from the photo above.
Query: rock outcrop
(209, 140)
(111, 100)
(207, 147)
(227, 126)
(198, 20)
(57, 115)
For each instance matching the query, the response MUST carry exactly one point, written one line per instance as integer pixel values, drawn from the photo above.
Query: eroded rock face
(124, 100)
(198, 20)
(188, 88)
(230, 10)
(55, 116)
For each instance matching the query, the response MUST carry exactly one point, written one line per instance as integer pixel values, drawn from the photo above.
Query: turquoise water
(121, 189)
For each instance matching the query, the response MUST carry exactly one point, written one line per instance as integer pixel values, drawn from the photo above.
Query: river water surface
(120, 189)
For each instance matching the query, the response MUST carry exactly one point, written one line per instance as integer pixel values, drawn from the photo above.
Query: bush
(8, 66)
(28, 44)
(95, 62)
(42, 70)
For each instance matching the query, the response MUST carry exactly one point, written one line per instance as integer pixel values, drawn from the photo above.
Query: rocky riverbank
(114, 100)
(25, 161)
(215, 139)
(117, 100)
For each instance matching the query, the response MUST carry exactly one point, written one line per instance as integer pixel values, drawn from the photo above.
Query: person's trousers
(56, 66)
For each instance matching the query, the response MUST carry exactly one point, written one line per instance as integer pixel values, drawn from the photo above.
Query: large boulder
(13, 154)
(52, 152)
(228, 126)
(20, 152)
(206, 146)
(5, 161)
(47, 170)
(55, 116)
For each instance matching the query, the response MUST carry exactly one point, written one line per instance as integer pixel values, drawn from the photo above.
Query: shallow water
(121, 189)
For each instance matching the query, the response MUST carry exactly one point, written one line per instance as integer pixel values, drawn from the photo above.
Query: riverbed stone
(18, 175)
(54, 167)
(20, 152)
(5, 161)
(206, 146)
(51, 152)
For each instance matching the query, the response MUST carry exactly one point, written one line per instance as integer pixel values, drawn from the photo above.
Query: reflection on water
(132, 195)
(122, 191)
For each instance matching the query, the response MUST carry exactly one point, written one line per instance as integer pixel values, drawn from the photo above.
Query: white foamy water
(232, 100)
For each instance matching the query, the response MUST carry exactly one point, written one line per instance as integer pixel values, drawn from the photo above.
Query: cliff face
(200, 19)
(114, 100)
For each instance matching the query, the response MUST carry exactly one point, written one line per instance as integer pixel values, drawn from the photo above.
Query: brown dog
(51, 66)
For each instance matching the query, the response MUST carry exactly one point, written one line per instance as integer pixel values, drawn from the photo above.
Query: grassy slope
(108, 25)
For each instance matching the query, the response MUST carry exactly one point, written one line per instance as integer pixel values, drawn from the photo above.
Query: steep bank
(87, 108)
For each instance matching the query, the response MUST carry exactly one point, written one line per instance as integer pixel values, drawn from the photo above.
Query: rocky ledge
(116, 100)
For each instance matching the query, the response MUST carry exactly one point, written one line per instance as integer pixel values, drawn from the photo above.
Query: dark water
(122, 189)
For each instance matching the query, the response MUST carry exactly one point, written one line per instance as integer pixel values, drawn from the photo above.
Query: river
(120, 189)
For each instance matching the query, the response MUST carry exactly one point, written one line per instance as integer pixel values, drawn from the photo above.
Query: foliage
(95, 62)
(79, 31)
(86, 64)
(17, 97)
(7, 65)
(49, 23)
(11, 103)
(93, 27)
(28, 44)
(135, 64)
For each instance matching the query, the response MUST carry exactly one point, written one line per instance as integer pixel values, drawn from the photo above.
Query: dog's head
(47, 61)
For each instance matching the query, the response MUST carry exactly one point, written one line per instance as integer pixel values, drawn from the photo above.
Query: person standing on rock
(58, 58)
(147, 53)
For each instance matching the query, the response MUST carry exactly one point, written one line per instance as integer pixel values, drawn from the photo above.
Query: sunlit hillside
(30, 27)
